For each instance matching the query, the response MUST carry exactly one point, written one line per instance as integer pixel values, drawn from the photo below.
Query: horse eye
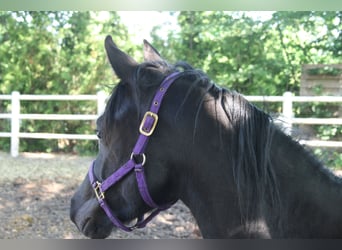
(98, 134)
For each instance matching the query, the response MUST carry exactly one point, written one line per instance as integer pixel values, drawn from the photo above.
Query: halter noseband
(147, 126)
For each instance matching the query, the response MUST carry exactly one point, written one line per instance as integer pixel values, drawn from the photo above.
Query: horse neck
(212, 197)
(208, 183)
(211, 202)
(311, 196)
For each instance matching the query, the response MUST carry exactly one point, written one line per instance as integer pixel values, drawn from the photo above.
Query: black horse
(238, 173)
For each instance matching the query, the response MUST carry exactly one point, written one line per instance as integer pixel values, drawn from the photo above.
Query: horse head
(118, 131)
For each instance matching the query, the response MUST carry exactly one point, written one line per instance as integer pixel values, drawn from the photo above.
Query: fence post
(287, 112)
(101, 102)
(15, 124)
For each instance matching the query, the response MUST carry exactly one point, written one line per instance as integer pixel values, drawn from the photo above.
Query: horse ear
(150, 53)
(123, 64)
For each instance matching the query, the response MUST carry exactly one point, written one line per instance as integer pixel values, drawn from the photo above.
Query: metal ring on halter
(143, 158)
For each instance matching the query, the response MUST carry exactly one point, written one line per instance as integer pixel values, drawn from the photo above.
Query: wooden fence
(15, 116)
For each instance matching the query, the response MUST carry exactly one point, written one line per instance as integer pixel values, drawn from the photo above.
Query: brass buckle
(141, 128)
(99, 194)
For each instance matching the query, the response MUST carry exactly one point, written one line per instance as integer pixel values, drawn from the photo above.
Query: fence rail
(15, 116)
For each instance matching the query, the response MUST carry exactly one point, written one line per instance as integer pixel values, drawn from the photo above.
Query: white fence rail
(15, 116)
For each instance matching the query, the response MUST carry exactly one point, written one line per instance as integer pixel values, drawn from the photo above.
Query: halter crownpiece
(146, 129)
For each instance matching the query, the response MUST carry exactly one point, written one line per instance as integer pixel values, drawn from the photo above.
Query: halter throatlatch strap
(146, 129)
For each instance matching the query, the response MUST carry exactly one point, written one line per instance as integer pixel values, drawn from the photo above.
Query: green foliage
(229, 49)
(331, 158)
(252, 56)
(326, 71)
(55, 53)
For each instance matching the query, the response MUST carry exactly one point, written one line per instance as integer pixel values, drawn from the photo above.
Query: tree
(55, 53)
(253, 56)
(305, 38)
(230, 47)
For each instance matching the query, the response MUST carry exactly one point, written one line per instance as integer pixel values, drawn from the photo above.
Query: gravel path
(35, 196)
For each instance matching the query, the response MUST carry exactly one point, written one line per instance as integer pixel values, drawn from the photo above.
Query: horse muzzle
(89, 218)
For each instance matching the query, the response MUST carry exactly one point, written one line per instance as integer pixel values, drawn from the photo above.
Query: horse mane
(251, 136)
(249, 150)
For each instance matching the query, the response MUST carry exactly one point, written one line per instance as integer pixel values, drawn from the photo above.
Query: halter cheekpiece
(136, 163)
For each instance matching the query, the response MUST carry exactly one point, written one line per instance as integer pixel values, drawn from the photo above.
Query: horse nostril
(85, 224)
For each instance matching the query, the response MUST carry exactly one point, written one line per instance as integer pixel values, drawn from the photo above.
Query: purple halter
(147, 126)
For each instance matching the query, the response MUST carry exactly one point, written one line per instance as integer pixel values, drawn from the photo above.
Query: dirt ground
(35, 199)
